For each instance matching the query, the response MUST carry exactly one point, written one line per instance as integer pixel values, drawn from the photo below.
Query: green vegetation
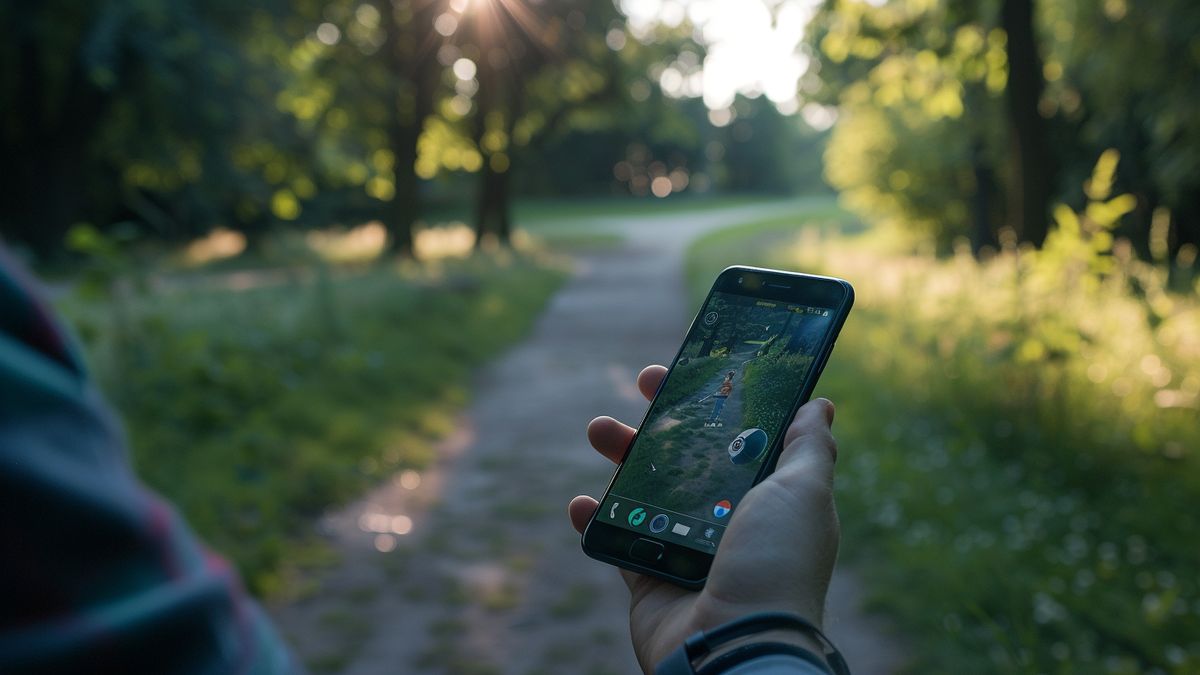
(744, 243)
(166, 120)
(767, 381)
(687, 380)
(1018, 441)
(255, 402)
(969, 119)
(240, 192)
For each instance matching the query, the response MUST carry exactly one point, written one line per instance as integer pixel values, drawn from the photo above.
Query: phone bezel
(680, 564)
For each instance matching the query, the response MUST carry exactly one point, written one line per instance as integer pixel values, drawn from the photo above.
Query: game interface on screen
(723, 405)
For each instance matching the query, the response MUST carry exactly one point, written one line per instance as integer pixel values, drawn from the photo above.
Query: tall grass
(1019, 444)
(256, 403)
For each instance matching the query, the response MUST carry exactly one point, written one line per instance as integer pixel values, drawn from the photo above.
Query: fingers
(580, 510)
(809, 447)
(609, 437)
(649, 379)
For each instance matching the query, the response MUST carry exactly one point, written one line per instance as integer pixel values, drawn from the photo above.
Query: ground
(472, 567)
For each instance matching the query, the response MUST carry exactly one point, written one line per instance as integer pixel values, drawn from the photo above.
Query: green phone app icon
(636, 516)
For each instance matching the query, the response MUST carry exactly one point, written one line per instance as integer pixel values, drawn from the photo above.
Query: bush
(767, 381)
(1019, 442)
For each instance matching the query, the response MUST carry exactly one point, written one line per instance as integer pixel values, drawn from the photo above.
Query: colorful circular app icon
(722, 508)
(659, 523)
(748, 446)
(637, 516)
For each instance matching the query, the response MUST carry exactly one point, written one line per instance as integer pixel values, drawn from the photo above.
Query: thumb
(808, 446)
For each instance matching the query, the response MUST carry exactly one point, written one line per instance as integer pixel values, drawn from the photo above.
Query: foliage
(1121, 74)
(918, 87)
(132, 109)
(174, 118)
(1018, 441)
(254, 410)
(767, 381)
(923, 141)
(687, 379)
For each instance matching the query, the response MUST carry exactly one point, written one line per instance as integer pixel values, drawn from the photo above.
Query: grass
(1018, 445)
(549, 217)
(254, 405)
(574, 213)
(746, 243)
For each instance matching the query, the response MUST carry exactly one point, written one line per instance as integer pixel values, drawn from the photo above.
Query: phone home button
(646, 550)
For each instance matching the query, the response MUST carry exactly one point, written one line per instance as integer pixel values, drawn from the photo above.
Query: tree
(959, 115)
(1120, 79)
(414, 73)
(920, 131)
(1031, 184)
(132, 110)
(537, 65)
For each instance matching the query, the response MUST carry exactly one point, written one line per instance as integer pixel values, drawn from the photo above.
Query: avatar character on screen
(719, 398)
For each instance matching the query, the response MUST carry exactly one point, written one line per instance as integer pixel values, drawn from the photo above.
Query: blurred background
(351, 270)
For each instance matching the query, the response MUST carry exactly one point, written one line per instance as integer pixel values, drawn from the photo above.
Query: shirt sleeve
(98, 573)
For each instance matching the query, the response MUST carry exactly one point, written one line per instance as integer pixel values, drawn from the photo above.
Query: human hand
(777, 554)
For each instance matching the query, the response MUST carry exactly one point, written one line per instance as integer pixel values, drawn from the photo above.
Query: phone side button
(646, 550)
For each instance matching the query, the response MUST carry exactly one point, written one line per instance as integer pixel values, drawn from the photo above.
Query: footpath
(471, 566)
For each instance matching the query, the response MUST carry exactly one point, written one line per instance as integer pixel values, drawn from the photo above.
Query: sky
(749, 51)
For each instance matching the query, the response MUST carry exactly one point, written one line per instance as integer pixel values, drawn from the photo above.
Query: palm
(661, 617)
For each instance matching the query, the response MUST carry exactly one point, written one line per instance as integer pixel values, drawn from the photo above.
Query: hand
(777, 554)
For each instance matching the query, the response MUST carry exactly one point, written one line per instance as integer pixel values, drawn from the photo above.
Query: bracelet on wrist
(705, 643)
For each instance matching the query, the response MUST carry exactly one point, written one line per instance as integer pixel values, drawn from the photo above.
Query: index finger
(649, 380)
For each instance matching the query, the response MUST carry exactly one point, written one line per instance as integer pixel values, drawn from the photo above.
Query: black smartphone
(715, 428)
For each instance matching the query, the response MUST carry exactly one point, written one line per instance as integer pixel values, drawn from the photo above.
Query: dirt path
(472, 567)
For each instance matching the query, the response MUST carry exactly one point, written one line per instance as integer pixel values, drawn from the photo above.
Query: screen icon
(637, 516)
(659, 523)
(612, 513)
(710, 318)
(708, 534)
(722, 508)
(681, 529)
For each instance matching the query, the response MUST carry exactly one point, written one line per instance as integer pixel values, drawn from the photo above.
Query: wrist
(750, 637)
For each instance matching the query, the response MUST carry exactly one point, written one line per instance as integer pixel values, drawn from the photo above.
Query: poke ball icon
(748, 446)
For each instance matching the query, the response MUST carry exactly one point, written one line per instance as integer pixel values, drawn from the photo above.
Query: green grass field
(256, 402)
(1018, 467)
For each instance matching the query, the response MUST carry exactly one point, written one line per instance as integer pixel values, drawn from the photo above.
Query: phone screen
(725, 402)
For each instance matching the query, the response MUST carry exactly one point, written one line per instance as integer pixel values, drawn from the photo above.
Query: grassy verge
(256, 404)
(1019, 449)
(746, 244)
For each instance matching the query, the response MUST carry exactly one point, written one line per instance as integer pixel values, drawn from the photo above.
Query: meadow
(256, 399)
(1018, 467)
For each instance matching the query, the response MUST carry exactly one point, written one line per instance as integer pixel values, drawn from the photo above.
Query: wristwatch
(696, 648)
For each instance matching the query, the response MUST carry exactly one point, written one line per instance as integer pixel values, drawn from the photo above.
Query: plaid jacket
(98, 574)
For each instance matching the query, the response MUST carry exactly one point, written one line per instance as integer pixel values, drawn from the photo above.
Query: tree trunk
(39, 204)
(491, 206)
(707, 345)
(1031, 162)
(404, 208)
(983, 232)
(412, 68)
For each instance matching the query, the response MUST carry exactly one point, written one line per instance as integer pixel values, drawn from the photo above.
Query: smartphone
(715, 428)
